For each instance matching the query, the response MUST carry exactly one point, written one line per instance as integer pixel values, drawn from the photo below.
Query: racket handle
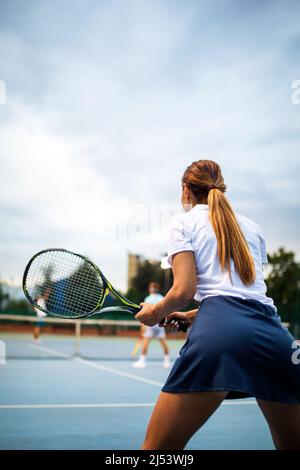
(182, 324)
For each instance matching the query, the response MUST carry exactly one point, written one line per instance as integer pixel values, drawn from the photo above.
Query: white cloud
(103, 114)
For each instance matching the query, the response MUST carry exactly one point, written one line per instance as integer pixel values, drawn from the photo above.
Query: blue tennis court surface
(52, 400)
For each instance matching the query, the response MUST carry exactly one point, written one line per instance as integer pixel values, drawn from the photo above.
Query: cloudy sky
(107, 102)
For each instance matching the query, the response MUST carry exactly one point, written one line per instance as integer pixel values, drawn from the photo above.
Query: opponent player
(150, 332)
(41, 301)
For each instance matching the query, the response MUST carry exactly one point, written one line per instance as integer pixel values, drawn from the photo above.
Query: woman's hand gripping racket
(72, 286)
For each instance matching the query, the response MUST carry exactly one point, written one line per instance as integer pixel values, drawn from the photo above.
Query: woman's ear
(186, 192)
(186, 198)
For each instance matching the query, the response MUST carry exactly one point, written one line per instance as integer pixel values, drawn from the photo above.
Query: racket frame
(107, 287)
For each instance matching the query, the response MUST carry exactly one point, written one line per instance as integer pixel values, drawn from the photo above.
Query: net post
(77, 337)
(2, 353)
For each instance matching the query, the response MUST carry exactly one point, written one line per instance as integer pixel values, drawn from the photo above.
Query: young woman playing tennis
(237, 346)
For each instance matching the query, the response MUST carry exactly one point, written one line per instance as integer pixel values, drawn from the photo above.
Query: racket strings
(78, 298)
(36, 274)
(69, 283)
(63, 270)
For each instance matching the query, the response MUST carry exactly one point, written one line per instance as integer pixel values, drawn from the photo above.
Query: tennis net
(63, 338)
(103, 339)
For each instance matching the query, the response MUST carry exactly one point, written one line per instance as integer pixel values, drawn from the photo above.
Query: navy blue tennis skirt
(239, 346)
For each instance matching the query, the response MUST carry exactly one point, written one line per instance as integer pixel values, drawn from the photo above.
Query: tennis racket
(72, 286)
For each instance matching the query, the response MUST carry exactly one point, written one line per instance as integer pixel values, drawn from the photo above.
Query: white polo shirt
(192, 231)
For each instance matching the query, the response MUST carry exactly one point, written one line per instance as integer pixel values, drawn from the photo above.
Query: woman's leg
(177, 416)
(284, 423)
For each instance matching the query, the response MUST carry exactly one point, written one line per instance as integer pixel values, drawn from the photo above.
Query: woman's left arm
(180, 294)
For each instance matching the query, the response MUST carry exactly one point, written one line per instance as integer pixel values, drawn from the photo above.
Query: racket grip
(182, 324)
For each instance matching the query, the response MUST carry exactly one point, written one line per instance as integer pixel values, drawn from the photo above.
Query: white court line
(111, 370)
(98, 405)
(77, 405)
(53, 352)
(50, 351)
